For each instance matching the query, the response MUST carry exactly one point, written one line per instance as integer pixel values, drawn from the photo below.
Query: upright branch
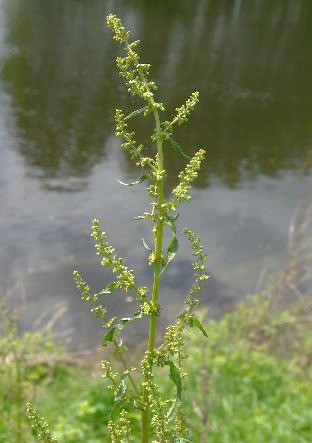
(162, 418)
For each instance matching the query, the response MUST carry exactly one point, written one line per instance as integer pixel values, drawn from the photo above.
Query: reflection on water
(252, 65)
(251, 62)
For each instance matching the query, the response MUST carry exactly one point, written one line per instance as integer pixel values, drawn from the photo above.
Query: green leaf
(146, 245)
(136, 182)
(175, 377)
(124, 322)
(135, 113)
(171, 252)
(195, 322)
(111, 334)
(183, 313)
(121, 391)
(170, 222)
(109, 337)
(173, 410)
(177, 148)
(110, 288)
(174, 217)
(172, 248)
(137, 315)
(173, 245)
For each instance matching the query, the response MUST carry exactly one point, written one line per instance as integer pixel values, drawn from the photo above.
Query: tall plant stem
(158, 228)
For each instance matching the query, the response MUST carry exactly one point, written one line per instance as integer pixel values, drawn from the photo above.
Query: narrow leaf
(173, 410)
(135, 113)
(121, 391)
(109, 337)
(146, 245)
(176, 378)
(197, 324)
(172, 248)
(170, 222)
(111, 334)
(109, 288)
(171, 252)
(177, 148)
(125, 321)
(136, 182)
(137, 315)
(175, 217)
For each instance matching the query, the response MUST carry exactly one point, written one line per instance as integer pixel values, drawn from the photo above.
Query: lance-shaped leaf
(146, 245)
(109, 288)
(110, 336)
(177, 148)
(135, 113)
(195, 322)
(174, 375)
(171, 415)
(173, 246)
(121, 390)
(141, 179)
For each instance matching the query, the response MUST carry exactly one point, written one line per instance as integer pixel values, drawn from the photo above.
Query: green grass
(241, 389)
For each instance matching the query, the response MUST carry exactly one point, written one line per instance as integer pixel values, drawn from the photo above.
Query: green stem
(158, 257)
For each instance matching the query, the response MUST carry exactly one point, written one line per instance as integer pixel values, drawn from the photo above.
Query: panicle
(199, 263)
(114, 23)
(39, 425)
(186, 177)
(135, 74)
(120, 430)
(185, 110)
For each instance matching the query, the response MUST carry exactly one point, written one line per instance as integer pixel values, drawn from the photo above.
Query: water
(59, 158)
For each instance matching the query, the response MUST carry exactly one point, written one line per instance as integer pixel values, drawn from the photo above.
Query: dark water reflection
(252, 63)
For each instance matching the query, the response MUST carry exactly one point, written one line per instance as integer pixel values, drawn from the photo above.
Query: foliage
(20, 372)
(243, 389)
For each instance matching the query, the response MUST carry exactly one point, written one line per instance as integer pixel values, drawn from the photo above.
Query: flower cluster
(200, 259)
(184, 111)
(186, 177)
(120, 34)
(159, 408)
(125, 277)
(98, 310)
(120, 431)
(110, 375)
(134, 73)
(39, 425)
(130, 145)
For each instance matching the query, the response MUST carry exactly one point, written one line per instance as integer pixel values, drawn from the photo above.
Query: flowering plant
(162, 418)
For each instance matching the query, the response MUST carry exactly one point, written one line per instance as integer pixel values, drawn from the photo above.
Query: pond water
(251, 62)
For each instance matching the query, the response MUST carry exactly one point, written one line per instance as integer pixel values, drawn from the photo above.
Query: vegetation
(250, 380)
(243, 389)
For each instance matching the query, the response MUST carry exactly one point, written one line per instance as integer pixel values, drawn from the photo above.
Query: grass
(243, 391)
